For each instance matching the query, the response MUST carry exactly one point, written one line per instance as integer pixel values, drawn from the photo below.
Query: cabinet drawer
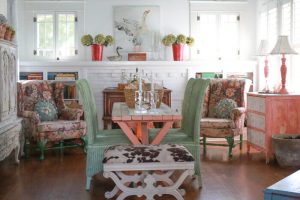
(256, 104)
(256, 121)
(256, 137)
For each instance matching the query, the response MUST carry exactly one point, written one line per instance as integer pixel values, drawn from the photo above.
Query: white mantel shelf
(204, 66)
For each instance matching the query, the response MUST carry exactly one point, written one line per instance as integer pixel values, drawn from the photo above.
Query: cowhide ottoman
(151, 168)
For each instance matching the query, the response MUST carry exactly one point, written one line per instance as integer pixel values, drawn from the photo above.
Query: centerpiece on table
(97, 44)
(178, 43)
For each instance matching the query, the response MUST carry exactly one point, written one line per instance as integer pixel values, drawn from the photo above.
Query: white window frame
(274, 61)
(195, 14)
(55, 29)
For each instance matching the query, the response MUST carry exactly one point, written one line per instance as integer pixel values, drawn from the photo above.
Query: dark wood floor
(241, 178)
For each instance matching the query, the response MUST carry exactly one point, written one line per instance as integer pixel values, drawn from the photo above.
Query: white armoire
(10, 125)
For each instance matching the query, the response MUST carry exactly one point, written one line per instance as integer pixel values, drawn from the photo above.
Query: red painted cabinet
(269, 114)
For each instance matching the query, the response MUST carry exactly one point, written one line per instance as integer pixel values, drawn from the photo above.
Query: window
(282, 17)
(296, 45)
(286, 14)
(55, 35)
(216, 35)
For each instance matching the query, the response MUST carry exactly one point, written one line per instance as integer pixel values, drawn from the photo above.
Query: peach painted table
(126, 119)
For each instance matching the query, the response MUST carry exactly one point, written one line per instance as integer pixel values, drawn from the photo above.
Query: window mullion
(56, 30)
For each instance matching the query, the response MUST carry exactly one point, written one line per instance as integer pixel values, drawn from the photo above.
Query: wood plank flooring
(63, 177)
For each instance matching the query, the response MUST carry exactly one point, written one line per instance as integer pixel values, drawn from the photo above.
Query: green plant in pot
(9, 33)
(97, 44)
(3, 26)
(178, 43)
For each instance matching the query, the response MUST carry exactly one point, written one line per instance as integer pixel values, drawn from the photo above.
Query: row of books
(63, 76)
(31, 76)
(70, 92)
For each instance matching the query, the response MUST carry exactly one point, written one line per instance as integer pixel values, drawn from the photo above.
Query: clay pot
(2, 30)
(287, 149)
(7, 35)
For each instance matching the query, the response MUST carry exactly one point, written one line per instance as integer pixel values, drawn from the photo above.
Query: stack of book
(69, 92)
(35, 76)
(65, 77)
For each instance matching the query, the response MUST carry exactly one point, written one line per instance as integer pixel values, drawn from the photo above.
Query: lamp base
(283, 91)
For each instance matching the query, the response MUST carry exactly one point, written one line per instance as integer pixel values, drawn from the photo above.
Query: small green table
(285, 189)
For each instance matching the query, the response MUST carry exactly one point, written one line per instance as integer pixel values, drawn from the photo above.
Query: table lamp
(283, 47)
(263, 51)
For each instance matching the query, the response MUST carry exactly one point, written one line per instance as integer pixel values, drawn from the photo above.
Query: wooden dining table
(136, 126)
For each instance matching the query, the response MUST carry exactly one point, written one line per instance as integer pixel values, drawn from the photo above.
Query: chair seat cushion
(61, 135)
(60, 125)
(216, 123)
(166, 153)
(173, 136)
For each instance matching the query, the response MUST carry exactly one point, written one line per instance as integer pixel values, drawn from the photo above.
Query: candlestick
(152, 83)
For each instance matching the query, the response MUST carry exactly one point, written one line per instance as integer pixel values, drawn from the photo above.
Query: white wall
(3, 7)
(99, 17)
(175, 18)
(247, 12)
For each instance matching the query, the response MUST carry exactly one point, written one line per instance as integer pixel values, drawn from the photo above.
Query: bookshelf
(68, 78)
(31, 76)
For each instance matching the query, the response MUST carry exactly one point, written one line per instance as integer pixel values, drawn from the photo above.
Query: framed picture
(137, 28)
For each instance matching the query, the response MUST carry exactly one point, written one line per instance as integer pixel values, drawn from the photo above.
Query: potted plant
(8, 33)
(177, 43)
(3, 25)
(97, 44)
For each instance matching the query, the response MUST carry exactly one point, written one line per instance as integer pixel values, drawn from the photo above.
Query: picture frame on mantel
(137, 28)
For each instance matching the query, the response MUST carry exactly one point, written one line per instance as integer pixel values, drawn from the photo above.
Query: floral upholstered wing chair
(214, 124)
(66, 125)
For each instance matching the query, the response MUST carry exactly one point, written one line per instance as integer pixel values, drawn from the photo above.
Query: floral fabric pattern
(60, 125)
(220, 89)
(46, 110)
(224, 108)
(68, 126)
(226, 88)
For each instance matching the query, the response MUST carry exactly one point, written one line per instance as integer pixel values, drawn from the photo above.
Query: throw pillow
(224, 107)
(46, 110)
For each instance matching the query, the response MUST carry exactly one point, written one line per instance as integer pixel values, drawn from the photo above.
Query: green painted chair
(97, 140)
(189, 133)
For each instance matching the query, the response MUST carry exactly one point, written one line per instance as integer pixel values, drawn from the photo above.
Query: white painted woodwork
(256, 137)
(256, 121)
(256, 104)
(10, 126)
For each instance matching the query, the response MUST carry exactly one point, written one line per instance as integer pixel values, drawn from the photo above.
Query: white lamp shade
(283, 46)
(263, 48)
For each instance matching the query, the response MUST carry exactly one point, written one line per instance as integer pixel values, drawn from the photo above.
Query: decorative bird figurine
(116, 58)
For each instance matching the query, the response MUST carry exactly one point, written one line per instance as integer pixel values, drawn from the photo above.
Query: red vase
(97, 52)
(178, 52)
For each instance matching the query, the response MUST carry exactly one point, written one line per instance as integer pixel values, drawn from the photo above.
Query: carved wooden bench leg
(150, 175)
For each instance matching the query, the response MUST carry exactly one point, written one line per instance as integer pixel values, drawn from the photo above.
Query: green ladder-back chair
(97, 140)
(189, 133)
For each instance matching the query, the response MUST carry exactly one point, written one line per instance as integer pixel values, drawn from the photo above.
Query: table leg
(144, 133)
(161, 134)
(129, 133)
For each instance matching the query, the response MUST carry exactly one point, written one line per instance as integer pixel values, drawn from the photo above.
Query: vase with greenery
(3, 26)
(178, 43)
(9, 33)
(97, 44)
